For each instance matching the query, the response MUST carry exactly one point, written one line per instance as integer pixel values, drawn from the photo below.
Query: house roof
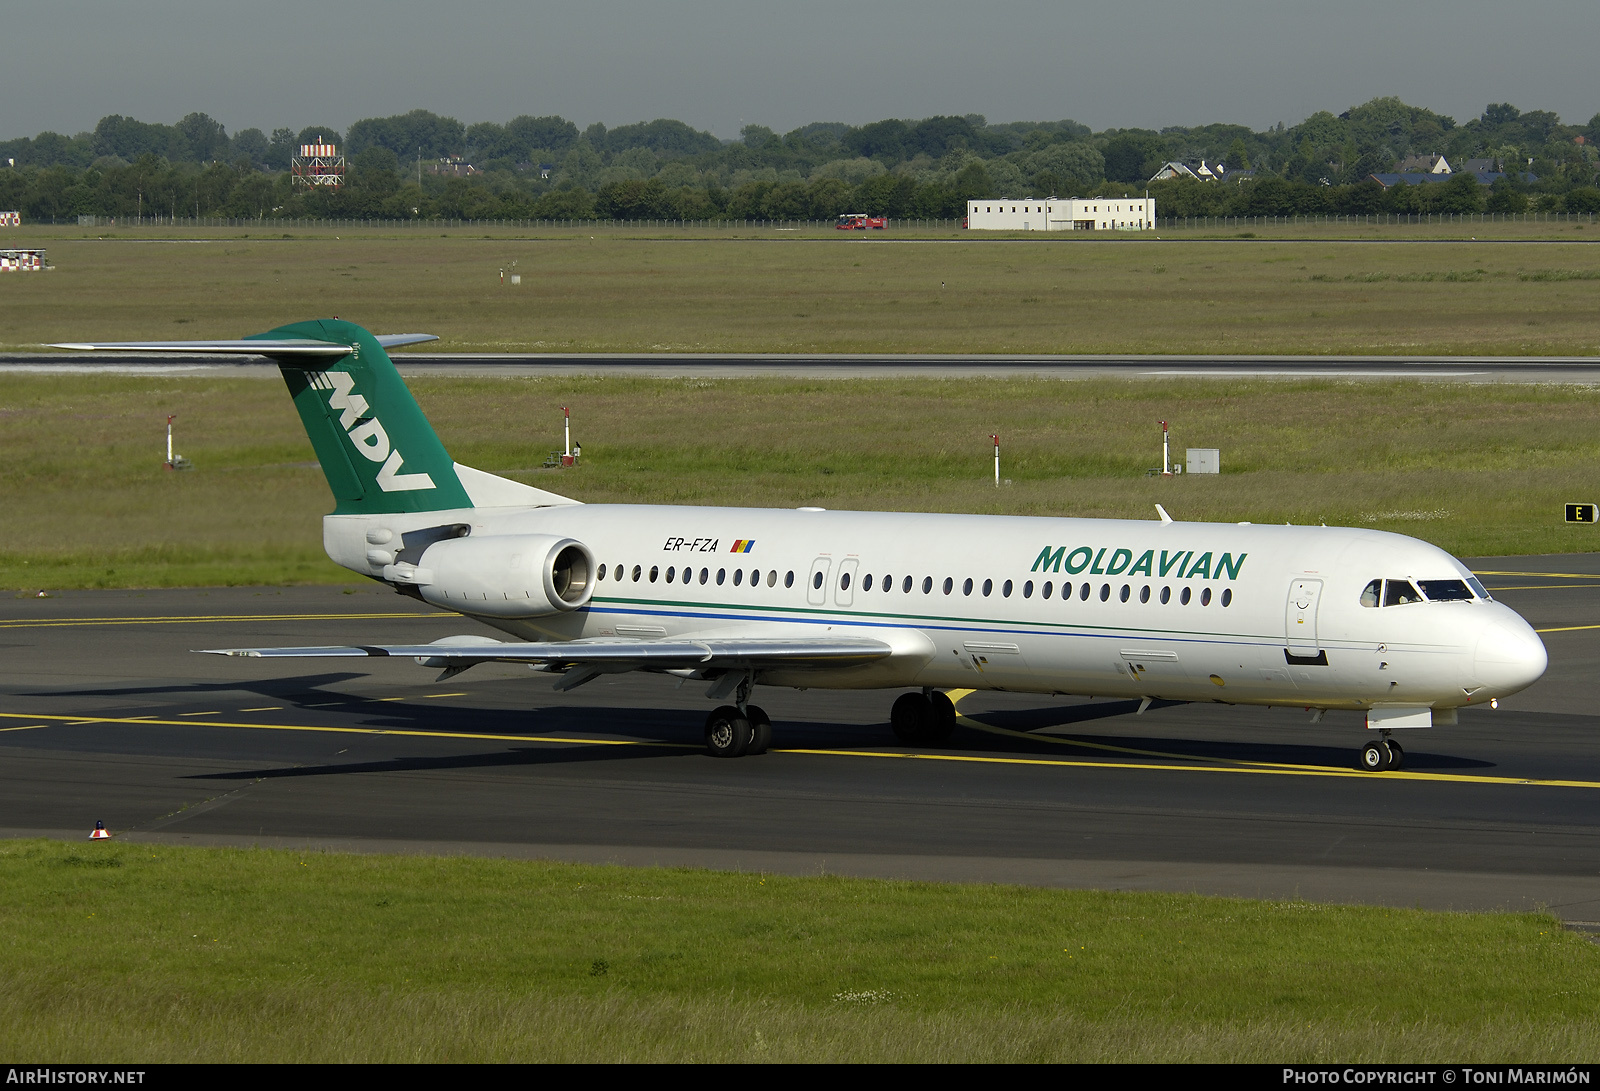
(1432, 164)
(1417, 178)
(1173, 169)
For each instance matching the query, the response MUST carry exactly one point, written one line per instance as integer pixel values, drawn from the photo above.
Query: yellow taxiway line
(329, 729)
(1545, 587)
(1228, 766)
(65, 622)
(1546, 575)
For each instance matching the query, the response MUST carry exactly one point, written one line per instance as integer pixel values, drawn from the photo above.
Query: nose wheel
(1381, 754)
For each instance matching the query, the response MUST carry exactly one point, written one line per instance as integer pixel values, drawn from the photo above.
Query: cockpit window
(1446, 590)
(1372, 594)
(1399, 592)
(1477, 585)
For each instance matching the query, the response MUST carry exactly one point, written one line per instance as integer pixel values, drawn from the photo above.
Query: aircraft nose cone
(1509, 656)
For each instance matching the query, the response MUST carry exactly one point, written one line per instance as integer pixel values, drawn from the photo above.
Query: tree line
(415, 165)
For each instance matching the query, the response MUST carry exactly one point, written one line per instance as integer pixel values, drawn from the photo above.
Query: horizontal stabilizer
(293, 346)
(747, 654)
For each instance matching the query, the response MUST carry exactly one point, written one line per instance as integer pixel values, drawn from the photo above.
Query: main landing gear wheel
(760, 729)
(728, 732)
(1380, 754)
(944, 716)
(919, 719)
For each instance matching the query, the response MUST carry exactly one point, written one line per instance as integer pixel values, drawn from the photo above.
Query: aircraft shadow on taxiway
(677, 737)
(306, 693)
(299, 690)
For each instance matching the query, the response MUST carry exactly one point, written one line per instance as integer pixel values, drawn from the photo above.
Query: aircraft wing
(246, 347)
(606, 654)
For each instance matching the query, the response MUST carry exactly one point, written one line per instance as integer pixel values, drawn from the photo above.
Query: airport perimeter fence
(1376, 218)
(1167, 222)
(590, 225)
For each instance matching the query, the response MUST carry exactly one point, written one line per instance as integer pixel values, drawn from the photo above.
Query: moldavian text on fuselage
(1181, 564)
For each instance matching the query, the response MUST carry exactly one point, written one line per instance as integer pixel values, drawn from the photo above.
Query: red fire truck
(860, 221)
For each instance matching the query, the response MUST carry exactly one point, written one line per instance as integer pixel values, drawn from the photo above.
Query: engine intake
(505, 575)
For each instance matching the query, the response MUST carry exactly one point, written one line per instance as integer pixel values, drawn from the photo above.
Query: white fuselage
(1238, 613)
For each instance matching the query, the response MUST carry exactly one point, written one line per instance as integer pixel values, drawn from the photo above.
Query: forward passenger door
(1300, 618)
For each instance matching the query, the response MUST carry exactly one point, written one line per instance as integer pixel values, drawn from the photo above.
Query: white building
(1063, 214)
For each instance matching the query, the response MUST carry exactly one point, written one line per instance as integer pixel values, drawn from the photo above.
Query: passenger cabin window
(1446, 590)
(1372, 594)
(1399, 593)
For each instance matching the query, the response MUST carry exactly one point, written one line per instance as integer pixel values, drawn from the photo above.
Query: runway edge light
(100, 832)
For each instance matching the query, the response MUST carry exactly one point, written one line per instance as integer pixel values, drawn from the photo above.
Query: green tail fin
(377, 450)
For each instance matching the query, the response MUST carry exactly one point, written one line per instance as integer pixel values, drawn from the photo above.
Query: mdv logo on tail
(367, 433)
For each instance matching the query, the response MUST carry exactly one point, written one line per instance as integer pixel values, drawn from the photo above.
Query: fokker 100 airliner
(1316, 617)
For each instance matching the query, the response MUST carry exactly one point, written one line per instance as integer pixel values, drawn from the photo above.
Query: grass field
(1476, 469)
(1386, 291)
(138, 953)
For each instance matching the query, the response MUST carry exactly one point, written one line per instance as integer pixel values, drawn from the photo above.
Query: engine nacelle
(503, 575)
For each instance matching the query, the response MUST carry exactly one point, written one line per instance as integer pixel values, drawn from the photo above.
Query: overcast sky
(717, 64)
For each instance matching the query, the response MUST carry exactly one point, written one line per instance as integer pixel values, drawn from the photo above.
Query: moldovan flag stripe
(742, 545)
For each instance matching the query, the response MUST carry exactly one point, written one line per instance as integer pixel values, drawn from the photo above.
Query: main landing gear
(1381, 754)
(927, 718)
(731, 733)
(922, 719)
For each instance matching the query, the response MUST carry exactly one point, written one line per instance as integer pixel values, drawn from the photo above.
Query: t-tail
(377, 450)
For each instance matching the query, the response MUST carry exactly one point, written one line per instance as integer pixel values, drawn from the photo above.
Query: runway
(106, 714)
(1476, 369)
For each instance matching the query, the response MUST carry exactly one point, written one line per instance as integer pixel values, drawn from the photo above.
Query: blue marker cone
(100, 832)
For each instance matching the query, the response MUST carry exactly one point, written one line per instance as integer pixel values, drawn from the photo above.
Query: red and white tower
(318, 164)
